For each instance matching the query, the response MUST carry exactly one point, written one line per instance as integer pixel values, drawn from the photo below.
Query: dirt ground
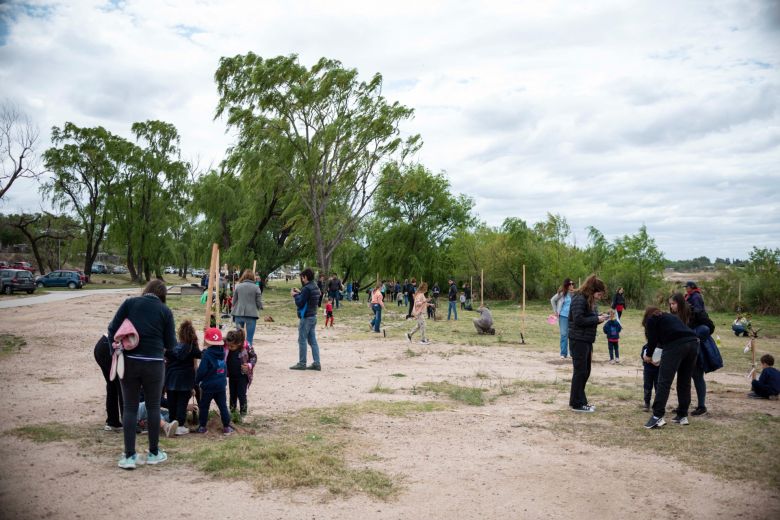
(465, 462)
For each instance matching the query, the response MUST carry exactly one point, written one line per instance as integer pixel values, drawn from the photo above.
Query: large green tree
(84, 172)
(415, 214)
(328, 132)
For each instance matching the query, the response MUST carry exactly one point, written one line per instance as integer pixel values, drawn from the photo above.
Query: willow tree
(331, 134)
(83, 177)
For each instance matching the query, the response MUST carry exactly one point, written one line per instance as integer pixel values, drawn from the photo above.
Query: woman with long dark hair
(679, 350)
(701, 324)
(584, 320)
(144, 367)
(619, 302)
(561, 303)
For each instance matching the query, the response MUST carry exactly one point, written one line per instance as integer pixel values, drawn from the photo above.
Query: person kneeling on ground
(768, 385)
(484, 324)
(741, 325)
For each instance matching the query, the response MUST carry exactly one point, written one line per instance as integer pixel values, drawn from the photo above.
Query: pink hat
(213, 336)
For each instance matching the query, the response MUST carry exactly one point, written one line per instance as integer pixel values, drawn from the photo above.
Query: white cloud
(611, 113)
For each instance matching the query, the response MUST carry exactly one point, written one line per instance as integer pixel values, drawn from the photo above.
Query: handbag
(709, 355)
(125, 338)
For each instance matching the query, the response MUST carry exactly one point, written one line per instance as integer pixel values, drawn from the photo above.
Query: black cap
(691, 284)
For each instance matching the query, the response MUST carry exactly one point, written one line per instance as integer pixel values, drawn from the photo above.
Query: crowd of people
(165, 376)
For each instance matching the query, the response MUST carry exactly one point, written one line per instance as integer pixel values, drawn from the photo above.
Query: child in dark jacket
(212, 378)
(612, 329)
(650, 378)
(180, 373)
(768, 384)
(241, 361)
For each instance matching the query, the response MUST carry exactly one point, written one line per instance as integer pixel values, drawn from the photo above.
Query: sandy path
(463, 463)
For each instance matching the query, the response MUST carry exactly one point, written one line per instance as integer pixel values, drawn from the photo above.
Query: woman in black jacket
(680, 348)
(619, 302)
(700, 323)
(583, 321)
(144, 368)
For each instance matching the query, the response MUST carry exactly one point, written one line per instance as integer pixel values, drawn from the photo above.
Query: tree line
(321, 173)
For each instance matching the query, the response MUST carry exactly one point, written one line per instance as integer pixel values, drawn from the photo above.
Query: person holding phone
(584, 319)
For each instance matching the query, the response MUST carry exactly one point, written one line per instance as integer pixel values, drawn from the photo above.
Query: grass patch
(48, 432)
(728, 447)
(379, 389)
(411, 353)
(11, 344)
(398, 374)
(471, 396)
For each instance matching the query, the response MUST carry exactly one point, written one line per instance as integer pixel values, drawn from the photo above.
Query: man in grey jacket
(484, 324)
(247, 302)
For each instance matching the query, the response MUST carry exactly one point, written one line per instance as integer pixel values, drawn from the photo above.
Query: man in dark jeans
(306, 303)
(452, 299)
(410, 290)
(334, 287)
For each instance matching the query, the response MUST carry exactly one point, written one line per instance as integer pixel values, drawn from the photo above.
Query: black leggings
(581, 356)
(148, 375)
(114, 404)
(177, 405)
(238, 386)
(678, 360)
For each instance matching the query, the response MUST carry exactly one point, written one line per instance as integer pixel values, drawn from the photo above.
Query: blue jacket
(180, 369)
(212, 372)
(770, 377)
(695, 300)
(309, 297)
(612, 329)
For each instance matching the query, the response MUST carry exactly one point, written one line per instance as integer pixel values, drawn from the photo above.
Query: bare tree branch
(18, 137)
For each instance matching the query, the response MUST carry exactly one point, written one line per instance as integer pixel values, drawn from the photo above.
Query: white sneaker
(181, 430)
(170, 428)
(424, 342)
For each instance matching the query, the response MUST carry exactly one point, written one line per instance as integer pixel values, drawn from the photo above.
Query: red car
(26, 266)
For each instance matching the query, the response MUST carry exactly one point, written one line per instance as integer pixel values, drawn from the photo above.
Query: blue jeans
(377, 321)
(251, 325)
(307, 333)
(563, 324)
(453, 307)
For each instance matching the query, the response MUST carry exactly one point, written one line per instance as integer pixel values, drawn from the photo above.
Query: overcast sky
(610, 113)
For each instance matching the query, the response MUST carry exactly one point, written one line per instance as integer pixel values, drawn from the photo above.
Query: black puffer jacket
(583, 321)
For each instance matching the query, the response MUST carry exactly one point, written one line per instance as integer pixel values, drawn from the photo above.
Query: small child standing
(768, 384)
(463, 301)
(649, 376)
(212, 378)
(329, 313)
(180, 373)
(241, 361)
(612, 329)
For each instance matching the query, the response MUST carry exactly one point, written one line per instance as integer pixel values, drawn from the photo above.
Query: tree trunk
(131, 264)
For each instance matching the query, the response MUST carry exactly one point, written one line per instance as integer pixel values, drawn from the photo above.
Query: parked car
(70, 279)
(171, 270)
(3, 264)
(198, 272)
(119, 269)
(99, 268)
(26, 266)
(12, 280)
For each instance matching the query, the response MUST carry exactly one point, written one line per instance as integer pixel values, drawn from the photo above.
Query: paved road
(8, 302)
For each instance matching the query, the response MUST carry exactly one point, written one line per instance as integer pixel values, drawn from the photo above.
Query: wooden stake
(212, 266)
(482, 288)
(522, 319)
(739, 294)
(254, 267)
